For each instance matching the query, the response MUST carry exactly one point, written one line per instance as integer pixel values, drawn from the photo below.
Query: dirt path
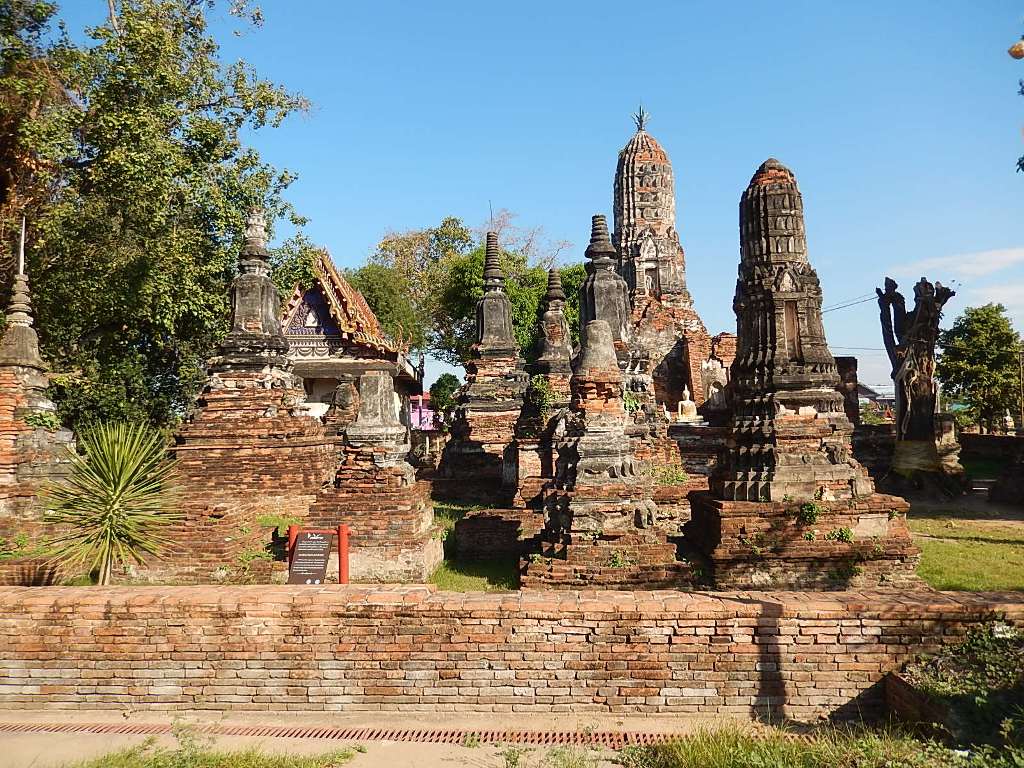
(44, 749)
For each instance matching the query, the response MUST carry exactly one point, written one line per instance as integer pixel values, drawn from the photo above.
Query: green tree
(118, 495)
(442, 396)
(391, 298)
(461, 284)
(978, 365)
(149, 182)
(292, 264)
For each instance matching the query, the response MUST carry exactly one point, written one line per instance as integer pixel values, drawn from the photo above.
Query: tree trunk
(105, 569)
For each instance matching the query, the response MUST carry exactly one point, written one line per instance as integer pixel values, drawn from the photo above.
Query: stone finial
(493, 276)
(555, 291)
(256, 229)
(20, 344)
(640, 118)
(600, 251)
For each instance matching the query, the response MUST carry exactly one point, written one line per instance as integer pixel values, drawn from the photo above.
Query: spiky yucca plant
(118, 495)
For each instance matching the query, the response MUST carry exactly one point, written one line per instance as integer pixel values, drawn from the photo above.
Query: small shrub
(630, 401)
(809, 536)
(844, 535)
(809, 512)
(619, 560)
(540, 395)
(44, 419)
(471, 740)
(670, 475)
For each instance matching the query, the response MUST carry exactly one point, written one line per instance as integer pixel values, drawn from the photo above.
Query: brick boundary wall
(792, 655)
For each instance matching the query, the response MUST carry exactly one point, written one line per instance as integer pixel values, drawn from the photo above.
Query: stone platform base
(412, 561)
(859, 543)
(628, 561)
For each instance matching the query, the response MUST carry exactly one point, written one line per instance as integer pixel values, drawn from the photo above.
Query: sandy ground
(50, 750)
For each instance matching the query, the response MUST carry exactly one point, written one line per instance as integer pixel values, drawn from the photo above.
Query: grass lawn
(477, 575)
(964, 549)
(468, 575)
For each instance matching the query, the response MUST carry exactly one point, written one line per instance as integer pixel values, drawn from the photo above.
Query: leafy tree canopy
(442, 393)
(136, 182)
(978, 365)
(391, 298)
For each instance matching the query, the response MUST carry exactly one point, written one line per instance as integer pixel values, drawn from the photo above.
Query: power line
(846, 301)
(850, 304)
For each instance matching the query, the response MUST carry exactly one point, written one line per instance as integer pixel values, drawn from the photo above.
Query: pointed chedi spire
(20, 343)
(494, 278)
(554, 291)
(604, 295)
(554, 342)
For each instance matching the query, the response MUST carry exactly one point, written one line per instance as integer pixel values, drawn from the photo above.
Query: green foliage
(670, 475)
(292, 263)
(141, 182)
(965, 554)
(390, 297)
(116, 497)
(540, 395)
(839, 534)
(829, 747)
(20, 545)
(43, 419)
(978, 365)
(442, 395)
(630, 401)
(500, 575)
(981, 681)
(193, 753)
(280, 522)
(810, 535)
(869, 414)
(809, 512)
(619, 560)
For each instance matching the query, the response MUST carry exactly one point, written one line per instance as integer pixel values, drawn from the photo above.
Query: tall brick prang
(789, 505)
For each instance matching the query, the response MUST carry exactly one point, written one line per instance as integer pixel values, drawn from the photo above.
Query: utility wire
(850, 304)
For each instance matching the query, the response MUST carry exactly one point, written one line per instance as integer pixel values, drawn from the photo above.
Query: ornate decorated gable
(331, 316)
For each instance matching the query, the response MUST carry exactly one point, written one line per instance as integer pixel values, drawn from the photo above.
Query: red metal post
(343, 554)
(293, 534)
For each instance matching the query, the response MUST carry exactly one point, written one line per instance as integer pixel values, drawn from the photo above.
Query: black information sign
(309, 558)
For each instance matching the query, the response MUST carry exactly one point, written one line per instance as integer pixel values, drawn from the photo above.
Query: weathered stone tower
(664, 324)
(251, 448)
(789, 506)
(783, 367)
(493, 395)
(651, 258)
(604, 294)
(33, 447)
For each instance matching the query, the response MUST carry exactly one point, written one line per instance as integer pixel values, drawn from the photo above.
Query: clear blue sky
(901, 121)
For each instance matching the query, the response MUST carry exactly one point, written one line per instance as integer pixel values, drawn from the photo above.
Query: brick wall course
(412, 648)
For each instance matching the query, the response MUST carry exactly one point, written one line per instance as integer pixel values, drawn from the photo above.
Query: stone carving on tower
(651, 258)
(783, 367)
(789, 505)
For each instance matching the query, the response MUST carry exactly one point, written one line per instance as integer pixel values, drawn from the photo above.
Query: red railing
(341, 532)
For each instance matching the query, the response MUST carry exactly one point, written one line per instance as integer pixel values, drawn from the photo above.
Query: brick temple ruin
(652, 455)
